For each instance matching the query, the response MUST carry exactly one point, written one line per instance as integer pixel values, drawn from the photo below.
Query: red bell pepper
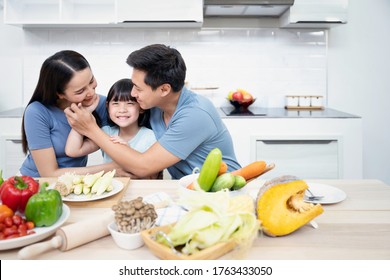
(16, 191)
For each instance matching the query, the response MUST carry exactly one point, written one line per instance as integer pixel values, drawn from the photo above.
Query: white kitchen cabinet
(103, 13)
(315, 14)
(311, 157)
(304, 147)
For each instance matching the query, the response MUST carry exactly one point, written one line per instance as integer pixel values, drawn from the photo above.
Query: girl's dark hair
(121, 91)
(55, 74)
(162, 64)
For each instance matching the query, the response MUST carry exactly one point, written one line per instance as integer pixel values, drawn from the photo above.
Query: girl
(127, 124)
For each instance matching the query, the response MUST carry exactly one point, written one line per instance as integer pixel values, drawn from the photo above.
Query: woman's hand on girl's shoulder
(117, 139)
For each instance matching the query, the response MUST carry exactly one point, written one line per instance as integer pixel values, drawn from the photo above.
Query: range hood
(246, 8)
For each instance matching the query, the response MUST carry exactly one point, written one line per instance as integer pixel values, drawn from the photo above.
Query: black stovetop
(253, 111)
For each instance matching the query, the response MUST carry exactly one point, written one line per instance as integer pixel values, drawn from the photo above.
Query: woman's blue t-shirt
(48, 127)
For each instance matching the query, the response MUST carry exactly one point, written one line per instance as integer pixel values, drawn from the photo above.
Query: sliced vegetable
(213, 219)
(209, 171)
(90, 179)
(251, 170)
(103, 183)
(280, 206)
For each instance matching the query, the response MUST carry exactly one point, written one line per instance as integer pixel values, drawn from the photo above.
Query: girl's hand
(118, 140)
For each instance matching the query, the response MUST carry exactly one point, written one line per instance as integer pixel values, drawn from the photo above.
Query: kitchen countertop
(268, 113)
(284, 113)
(356, 228)
(12, 113)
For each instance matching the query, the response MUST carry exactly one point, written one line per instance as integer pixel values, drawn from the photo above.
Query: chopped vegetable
(211, 220)
(103, 183)
(90, 179)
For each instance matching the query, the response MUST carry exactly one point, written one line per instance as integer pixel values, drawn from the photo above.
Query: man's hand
(80, 119)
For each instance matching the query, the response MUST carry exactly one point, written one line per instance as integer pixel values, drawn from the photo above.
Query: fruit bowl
(242, 105)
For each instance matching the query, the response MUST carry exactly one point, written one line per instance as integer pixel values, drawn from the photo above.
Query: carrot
(251, 170)
(223, 168)
(191, 186)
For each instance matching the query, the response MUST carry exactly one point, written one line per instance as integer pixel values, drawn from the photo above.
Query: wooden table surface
(356, 228)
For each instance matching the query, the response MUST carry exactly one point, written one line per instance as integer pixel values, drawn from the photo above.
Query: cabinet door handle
(16, 141)
(292, 142)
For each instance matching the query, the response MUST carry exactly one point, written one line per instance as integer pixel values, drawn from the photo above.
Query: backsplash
(270, 63)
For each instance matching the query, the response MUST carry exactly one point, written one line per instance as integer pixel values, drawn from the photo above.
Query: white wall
(359, 79)
(11, 65)
(269, 63)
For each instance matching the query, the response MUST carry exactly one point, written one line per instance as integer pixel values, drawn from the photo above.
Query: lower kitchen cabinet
(309, 148)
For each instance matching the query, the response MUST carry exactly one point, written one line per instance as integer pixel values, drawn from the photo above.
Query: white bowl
(128, 241)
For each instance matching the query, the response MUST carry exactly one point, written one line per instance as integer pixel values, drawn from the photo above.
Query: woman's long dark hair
(55, 74)
(120, 91)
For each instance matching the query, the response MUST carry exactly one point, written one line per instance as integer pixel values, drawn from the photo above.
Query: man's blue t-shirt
(193, 131)
(48, 127)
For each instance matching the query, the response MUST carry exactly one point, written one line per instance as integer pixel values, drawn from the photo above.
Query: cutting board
(107, 202)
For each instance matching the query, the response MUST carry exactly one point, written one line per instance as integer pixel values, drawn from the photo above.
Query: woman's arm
(77, 145)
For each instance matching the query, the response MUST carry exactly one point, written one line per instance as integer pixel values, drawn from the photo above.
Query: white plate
(40, 233)
(117, 187)
(330, 194)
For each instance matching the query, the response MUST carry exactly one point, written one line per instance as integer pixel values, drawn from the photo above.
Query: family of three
(146, 124)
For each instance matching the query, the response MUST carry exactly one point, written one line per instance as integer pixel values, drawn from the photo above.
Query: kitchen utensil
(71, 236)
(330, 194)
(312, 196)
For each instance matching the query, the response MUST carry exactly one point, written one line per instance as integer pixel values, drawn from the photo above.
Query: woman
(65, 78)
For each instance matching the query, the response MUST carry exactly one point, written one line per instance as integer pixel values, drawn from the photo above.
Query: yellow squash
(280, 206)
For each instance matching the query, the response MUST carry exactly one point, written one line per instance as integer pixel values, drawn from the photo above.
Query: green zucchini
(209, 171)
(224, 181)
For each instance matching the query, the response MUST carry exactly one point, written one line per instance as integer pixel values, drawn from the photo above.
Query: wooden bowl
(165, 253)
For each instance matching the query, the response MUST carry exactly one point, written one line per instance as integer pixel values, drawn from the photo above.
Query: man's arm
(155, 159)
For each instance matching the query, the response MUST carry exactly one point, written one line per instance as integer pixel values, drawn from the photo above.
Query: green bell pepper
(45, 207)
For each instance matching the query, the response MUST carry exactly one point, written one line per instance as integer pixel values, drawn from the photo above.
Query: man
(187, 126)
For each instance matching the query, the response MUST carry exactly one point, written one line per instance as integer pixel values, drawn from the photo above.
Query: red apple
(247, 98)
(237, 96)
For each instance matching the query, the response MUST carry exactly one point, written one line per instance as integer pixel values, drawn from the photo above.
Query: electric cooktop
(251, 111)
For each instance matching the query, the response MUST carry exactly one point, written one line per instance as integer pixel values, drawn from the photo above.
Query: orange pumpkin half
(280, 206)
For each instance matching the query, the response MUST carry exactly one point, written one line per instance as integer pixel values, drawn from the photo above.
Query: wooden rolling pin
(71, 236)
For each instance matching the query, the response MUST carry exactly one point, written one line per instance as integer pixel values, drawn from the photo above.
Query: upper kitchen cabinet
(104, 13)
(321, 14)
